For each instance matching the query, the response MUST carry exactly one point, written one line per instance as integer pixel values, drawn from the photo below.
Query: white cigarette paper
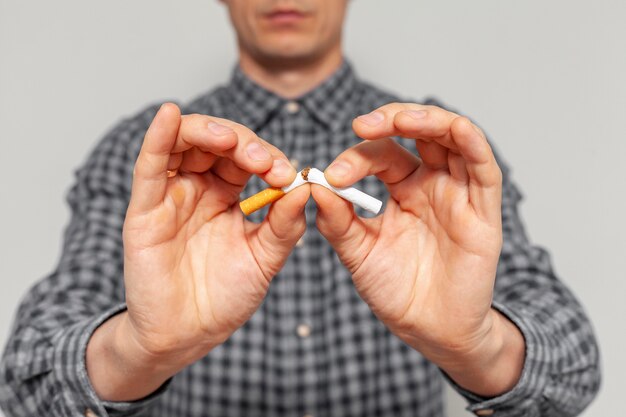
(359, 198)
(296, 183)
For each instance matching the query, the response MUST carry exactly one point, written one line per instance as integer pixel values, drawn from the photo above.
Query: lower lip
(286, 18)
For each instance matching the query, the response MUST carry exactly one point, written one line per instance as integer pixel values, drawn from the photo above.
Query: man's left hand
(427, 266)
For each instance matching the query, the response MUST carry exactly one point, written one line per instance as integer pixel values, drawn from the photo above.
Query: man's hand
(194, 269)
(427, 266)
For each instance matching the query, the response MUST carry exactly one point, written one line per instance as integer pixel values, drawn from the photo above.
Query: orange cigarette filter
(260, 199)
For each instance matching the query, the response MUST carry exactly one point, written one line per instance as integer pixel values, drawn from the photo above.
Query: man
(162, 303)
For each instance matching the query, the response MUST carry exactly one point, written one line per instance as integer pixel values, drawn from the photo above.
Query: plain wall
(546, 80)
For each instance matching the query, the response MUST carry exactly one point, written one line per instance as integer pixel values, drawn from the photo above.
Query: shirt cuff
(78, 395)
(524, 399)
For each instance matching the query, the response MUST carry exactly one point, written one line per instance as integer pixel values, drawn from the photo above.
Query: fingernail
(219, 129)
(416, 114)
(374, 118)
(281, 168)
(338, 169)
(257, 152)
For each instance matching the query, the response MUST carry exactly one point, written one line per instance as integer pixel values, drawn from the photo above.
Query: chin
(289, 50)
(291, 43)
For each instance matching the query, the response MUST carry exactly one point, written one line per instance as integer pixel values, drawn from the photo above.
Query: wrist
(118, 368)
(132, 354)
(494, 365)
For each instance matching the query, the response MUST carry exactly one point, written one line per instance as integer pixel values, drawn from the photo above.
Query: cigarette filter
(260, 200)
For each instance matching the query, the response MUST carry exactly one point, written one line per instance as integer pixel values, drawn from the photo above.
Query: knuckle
(414, 106)
(459, 121)
(392, 109)
(245, 136)
(434, 110)
(273, 149)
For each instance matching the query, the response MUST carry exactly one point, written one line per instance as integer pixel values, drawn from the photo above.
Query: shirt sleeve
(43, 368)
(561, 372)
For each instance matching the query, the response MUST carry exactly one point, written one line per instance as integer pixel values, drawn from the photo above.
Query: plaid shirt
(314, 347)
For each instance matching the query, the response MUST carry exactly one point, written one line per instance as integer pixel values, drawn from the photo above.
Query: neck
(290, 79)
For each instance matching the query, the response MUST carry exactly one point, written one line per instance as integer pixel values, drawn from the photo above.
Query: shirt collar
(332, 103)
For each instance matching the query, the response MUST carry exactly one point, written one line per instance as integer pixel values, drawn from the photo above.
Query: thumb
(344, 230)
(273, 239)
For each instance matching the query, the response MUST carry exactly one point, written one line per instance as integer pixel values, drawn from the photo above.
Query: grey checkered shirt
(313, 347)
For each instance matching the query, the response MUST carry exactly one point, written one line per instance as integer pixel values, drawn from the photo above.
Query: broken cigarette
(315, 176)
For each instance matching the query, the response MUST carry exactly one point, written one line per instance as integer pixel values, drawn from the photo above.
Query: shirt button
(292, 107)
(300, 242)
(485, 412)
(89, 413)
(303, 330)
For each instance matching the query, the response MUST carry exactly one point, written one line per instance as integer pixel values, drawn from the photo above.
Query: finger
(285, 223)
(281, 174)
(484, 175)
(175, 161)
(433, 154)
(457, 167)
(230, 140)
(385, 158)
(432, 125)
(196, 160)
(452, 134)
(472, 159)
(429, 123)
(338, 223)
(434, 122)
(480, 161)
(150, 173)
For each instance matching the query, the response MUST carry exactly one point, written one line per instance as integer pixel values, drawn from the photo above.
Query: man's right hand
(195, 269)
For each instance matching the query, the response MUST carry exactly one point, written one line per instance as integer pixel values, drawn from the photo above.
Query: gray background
(546, 79)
